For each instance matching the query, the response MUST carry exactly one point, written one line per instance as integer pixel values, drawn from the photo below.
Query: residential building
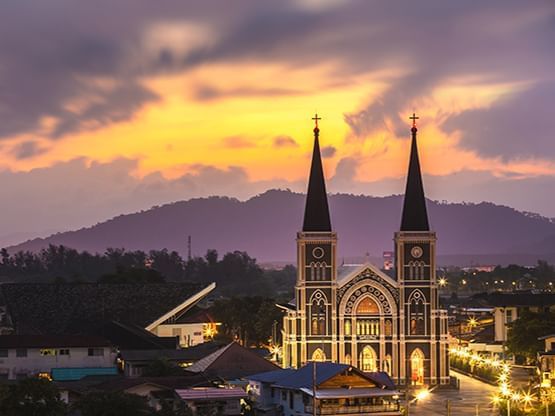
(339, 389)
(58, 357)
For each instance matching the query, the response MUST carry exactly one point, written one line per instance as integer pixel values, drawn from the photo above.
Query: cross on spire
(316, 118)
(414, 118)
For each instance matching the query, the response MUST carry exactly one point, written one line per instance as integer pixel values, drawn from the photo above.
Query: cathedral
(359, 315)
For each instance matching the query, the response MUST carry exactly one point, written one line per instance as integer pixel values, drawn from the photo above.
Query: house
(232, 362)
(221, 401)
(508, 307)
(57, 357)
(85, 308)
(133, 361)
(337, 388)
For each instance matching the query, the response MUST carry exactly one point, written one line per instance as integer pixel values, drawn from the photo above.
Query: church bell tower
(423, 359)
(316, 285)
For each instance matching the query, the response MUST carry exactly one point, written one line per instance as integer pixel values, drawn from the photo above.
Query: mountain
(265, 226)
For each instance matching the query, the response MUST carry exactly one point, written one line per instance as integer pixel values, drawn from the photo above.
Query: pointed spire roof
(415, 215)
(317, 213)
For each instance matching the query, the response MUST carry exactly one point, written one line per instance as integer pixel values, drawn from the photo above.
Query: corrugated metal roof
(210, 393)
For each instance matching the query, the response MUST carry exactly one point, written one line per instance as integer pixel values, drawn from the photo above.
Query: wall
(34, 363)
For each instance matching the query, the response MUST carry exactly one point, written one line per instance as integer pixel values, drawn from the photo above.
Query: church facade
(359, 315)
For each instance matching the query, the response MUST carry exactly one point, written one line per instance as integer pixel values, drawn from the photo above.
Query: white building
(59, 357)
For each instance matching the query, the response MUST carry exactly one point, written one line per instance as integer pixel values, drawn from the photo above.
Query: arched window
(318, 355)
(417, 314)
(411, 270)
(367, 306)
(323, 266)
(388, 328)
(318, 314)
(348, 328)
(387, 364)
(417, 367)
(347, 359)
(367, 359)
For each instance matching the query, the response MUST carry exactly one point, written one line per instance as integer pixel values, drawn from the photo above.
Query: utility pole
(313, 388)
(189, 244)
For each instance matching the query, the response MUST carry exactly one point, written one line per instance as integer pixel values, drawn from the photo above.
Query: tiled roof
(232, 362)
(73, 307)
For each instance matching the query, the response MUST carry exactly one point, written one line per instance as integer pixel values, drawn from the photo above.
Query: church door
(417, 367)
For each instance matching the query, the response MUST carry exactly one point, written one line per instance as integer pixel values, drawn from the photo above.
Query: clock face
(416, 252)
(318, 252)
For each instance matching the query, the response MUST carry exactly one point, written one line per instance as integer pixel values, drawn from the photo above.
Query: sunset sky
(110, 107)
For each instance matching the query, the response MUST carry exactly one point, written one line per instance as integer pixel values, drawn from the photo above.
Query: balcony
(384, 408)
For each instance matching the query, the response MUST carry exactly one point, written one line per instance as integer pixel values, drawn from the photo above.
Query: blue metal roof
(71, 374)
(303, 376)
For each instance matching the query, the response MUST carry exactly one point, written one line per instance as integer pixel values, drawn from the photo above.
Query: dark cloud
(28, 149)
(284, 141)
(50, 52)
(328, 151)
(517, 125)
(206, 93)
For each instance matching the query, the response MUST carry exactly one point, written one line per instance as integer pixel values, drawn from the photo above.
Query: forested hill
(265, 226)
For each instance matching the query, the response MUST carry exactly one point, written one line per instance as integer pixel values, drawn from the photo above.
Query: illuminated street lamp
(442, 282)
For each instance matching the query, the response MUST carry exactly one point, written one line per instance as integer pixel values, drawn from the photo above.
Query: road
(463, 402)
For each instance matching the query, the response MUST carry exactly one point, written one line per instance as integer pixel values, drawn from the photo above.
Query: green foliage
(248, 319)
(31, 397)
(522, 338)
(236, 273)
(161, 368)
(132, 276)
(112, 404)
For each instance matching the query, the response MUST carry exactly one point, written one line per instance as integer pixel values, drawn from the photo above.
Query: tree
(31, 397)
(112, 404)
(522, 338)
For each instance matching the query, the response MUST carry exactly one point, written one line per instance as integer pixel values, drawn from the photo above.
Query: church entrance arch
(367, 359)
(417, 367)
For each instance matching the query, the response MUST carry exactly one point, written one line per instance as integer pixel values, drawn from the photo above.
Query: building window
(417, 315)
(318, 315)
(64, 351)
(368, 327)
(96, 352)
(388, 328)
(348, 327)
(21, 352)
(45, 352)
(508, 316)
(367, 306)
(3, 352)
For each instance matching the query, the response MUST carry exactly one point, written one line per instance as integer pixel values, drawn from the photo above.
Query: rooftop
(36, 308)
(52, 341)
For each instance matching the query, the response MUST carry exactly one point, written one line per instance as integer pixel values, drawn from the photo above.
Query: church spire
(316, 214)
(415, 216)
